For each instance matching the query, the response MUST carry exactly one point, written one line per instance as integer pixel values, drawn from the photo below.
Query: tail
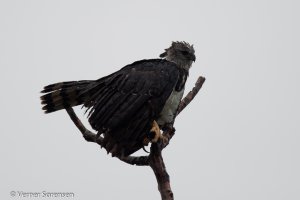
(65, 94)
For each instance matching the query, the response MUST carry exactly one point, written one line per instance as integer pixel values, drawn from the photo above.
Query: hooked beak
(193, 57)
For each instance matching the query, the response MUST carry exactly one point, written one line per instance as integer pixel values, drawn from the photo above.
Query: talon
(145, 150)
(155, 133)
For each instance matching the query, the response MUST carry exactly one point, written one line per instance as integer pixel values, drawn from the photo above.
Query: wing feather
(129, 100)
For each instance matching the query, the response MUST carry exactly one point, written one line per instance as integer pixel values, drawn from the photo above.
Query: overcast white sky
(239, 138)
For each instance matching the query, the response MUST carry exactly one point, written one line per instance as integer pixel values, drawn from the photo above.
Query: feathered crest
(182, 44)
(178, 45)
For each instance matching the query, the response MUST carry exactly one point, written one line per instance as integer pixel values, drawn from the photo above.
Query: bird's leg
(155, 133)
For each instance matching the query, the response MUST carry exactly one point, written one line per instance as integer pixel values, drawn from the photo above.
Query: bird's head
(181, 53)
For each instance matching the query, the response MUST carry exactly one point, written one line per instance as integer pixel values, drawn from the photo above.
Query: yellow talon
(156, 130)
(153, 135)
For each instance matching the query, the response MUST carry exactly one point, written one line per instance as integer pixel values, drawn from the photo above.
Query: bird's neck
(186, 65)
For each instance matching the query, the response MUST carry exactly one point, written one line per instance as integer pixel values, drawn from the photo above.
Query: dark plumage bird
(127, 106)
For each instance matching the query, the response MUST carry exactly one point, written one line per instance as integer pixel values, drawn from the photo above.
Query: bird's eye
(184, 53)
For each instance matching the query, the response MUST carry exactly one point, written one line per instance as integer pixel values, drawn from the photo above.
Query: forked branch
(154, 159)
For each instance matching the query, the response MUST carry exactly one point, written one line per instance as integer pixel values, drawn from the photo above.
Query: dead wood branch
(154, 159)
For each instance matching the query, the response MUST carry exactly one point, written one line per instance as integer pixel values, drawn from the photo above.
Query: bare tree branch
(136, 160)
(158, 166)
(154, 159)
(190, 96)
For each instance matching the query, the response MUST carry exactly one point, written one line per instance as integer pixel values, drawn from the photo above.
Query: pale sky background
(239, 138)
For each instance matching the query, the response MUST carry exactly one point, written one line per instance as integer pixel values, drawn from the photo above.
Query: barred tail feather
(64, 94)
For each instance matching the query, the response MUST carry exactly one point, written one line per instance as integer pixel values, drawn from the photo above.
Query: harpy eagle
(129, 107)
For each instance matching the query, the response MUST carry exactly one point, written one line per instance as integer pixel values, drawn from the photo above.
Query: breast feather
(169, 110)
